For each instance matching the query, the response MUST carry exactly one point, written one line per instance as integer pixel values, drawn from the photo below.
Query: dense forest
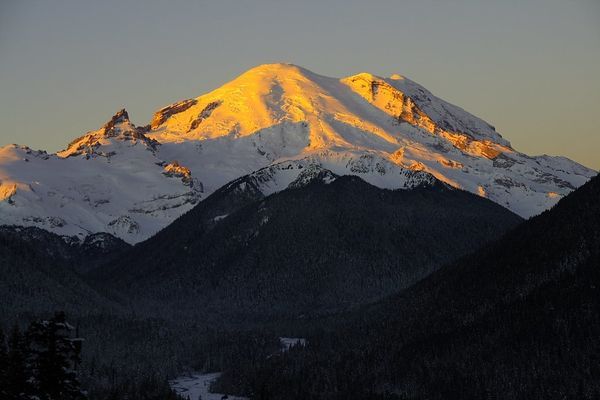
(319, 248)
(43, 362)
(504, 310)
(517, 319)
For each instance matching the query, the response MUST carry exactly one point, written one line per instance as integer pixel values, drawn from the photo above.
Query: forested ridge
(517, 319)
(323, 247)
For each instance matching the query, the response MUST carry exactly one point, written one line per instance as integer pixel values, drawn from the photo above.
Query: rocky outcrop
(405, 109)
(164, 113)
(173, 169)
(123, 224)
(117, 128)
(205, 113)
(312, 173)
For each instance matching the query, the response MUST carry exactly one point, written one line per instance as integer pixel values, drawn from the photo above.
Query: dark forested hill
(318, 247)
(518, 319)
(39, 272)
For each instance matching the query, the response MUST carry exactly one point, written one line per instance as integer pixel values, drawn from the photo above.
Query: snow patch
(196, 386)
(287, 343)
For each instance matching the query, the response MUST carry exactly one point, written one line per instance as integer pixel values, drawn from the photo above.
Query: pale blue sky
(529, 67)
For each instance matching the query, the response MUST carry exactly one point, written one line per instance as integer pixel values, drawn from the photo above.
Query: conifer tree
(3, 366)
(54, 357)
(17, 385)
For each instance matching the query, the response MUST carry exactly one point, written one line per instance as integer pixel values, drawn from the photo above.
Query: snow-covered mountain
(275, 122)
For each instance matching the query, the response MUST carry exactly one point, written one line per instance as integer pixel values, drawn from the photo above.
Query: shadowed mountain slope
(325, 245)
(517, 319)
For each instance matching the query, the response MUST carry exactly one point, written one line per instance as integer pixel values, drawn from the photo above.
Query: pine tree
(17, 385)
(3, 365)
(54, 357)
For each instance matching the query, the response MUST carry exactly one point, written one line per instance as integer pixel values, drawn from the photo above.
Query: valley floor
(195, 386)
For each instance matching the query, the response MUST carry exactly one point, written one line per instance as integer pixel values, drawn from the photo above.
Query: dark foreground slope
(316, 248)
(124, 355)
(40, 272)
(518, 319)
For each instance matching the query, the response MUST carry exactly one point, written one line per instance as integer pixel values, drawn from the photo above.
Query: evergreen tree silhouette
(17, 385)
(3, 366)
(54, 356)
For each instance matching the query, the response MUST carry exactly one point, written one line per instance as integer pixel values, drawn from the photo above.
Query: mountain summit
(272, 122)
(273, 94)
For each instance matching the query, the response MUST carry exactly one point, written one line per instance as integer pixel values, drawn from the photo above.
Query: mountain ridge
(323, 243)
(133, 181)
(514, 319)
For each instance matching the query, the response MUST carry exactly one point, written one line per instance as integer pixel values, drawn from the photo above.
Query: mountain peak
(283, 110)
(276, 118)
(397, 77)
(364, 75)
(119, 128)
(266, 73)
(119, 118)
(270, 74)
(275, 68)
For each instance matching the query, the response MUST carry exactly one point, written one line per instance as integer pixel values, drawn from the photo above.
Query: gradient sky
(531, 68)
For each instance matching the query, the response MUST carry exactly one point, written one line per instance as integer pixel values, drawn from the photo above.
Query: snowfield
(279, 123)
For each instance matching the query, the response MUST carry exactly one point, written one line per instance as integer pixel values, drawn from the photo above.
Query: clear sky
(531, 68)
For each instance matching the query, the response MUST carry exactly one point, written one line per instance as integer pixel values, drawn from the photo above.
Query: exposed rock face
(119, 118)
(310, 174)
(164, 113)
(205, 113)
(7, 189)
(124, 224)
(399, 105)
(174, 169)
(392, 101)
(118, 127)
